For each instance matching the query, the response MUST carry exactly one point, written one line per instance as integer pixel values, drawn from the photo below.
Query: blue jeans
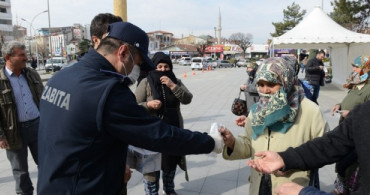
(302, 67)
(18, 158)
(315, 95)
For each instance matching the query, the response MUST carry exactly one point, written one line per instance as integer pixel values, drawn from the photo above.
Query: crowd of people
(79, 125)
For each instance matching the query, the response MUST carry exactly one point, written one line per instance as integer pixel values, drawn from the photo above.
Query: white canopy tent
(318, 31)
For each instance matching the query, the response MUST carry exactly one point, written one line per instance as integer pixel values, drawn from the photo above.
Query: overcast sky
(180, 17)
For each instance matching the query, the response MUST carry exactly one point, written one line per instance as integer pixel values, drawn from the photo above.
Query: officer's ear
(122, 52)
(96, 41)
(7, 57)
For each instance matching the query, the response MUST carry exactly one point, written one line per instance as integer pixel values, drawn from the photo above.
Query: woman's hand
(344, 113)
(241, 120)
(243, 87)
(228, 137)
(154, 104)
(4, 144)
(335, 108)
(168, 82)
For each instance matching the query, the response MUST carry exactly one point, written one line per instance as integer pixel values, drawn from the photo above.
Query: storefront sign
(214, 49)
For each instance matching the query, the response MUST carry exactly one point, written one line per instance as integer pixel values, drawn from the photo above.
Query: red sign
(214, 49)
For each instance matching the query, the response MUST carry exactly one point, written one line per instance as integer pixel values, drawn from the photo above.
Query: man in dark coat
(34, 63)
(315, 74)
(89, 116)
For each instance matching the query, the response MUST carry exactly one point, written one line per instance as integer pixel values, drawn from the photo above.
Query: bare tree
(243, 40)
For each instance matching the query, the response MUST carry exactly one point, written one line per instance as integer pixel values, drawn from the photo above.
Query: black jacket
(88, 117)
(352, 133)
(313, 73)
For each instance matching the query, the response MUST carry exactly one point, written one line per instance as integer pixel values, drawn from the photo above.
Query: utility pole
(50, 51)
(120, 9)
(219, 27)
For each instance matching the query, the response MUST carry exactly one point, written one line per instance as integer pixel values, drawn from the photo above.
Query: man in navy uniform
(89, 116)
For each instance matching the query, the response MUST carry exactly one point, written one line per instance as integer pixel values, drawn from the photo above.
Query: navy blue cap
(134, 36)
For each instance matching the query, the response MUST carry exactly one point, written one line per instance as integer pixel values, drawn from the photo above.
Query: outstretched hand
(266, 162)
(228, 137)
(335, 108)
(241, 120)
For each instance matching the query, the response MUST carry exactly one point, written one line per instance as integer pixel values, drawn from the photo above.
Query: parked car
(198, 63)
(224, 64)
(71, 63)
(185, 61)
(211, 63)
(243, 63)
(58, 63)
(175, 61)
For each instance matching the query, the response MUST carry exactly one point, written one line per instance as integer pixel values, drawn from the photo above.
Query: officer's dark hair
(99, 24)
(321, 52)
(108, 45)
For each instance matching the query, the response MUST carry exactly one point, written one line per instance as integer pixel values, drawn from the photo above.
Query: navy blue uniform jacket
(88, 117)
(352, 133)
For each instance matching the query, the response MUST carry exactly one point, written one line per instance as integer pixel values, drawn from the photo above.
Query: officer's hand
(154, 104)
(127, 174)
(219, 143)
(321, 67)
(168, 82)
(4, 144)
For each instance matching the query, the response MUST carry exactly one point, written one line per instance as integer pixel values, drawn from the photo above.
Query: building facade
(64, 40)
(6, 25)
(162, 37)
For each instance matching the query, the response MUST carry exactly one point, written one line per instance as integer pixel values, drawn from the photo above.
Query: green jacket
(354, 97)
(8, 108)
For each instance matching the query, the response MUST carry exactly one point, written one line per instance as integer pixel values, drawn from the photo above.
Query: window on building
(5, 22)
(2, 10)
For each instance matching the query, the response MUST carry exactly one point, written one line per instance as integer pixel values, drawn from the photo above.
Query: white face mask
(135, 73)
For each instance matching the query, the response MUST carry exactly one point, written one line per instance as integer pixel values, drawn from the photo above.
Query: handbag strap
(240, 92)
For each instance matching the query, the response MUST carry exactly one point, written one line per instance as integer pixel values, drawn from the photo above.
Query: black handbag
(239, 106)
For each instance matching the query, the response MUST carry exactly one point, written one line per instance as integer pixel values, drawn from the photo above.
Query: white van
(185, 61)
(198, 63)
(58, 63)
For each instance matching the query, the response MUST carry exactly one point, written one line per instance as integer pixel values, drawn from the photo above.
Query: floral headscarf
(276, 111)
(356, 78)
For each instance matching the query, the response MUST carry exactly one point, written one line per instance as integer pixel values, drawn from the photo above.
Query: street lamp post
(31, 27)
(50, 51)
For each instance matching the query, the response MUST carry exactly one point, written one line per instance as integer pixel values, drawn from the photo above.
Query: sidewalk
(213, 93)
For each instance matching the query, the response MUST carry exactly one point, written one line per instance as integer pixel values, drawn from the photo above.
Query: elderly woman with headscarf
(359, 92)
(358, 85)
(161, 94)
(282, 118)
